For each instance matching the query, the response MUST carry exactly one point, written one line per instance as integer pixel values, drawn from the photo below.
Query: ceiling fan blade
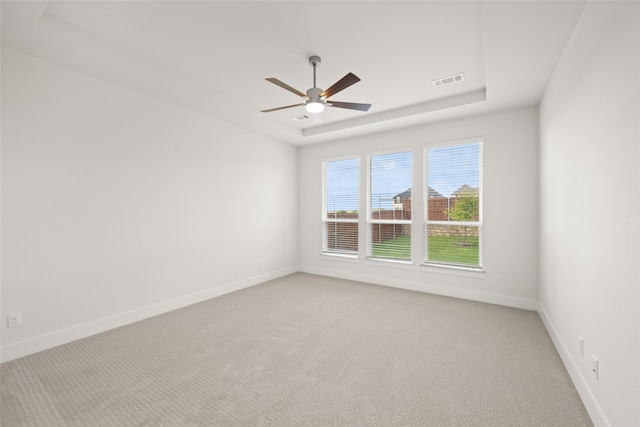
(341, 84)
(286, 86)
(281, 108)
(350, 105)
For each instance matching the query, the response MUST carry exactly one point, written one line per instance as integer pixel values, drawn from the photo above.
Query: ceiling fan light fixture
(314, 106)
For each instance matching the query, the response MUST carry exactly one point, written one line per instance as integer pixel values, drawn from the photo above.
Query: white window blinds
(340, 206)
(453, 204)
(389, 205)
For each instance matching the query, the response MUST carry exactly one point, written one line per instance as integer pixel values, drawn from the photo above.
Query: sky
(390, 175)
(449, 168)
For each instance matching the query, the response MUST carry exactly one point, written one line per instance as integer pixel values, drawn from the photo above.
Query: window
(389, 205)
(453, 204)
(340, 206)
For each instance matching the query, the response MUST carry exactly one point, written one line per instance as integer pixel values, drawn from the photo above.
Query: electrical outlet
(14, 320)
(498, 280)
(595, 368)
(580, 346)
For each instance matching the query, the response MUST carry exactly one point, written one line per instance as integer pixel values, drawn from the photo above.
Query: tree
(466, 208)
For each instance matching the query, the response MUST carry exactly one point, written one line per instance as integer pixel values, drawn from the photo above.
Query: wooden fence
(343, 236)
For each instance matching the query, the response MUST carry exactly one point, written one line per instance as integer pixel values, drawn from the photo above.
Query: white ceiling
(213, 57)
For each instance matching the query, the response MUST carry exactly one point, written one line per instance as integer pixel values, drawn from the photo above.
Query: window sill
(339, 257)
(388, 262)
(453, 270)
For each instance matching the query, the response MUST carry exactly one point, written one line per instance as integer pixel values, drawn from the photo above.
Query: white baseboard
(589, 400)
(56, 338)
(509, 301)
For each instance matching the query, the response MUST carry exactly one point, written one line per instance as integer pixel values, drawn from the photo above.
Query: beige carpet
(303, 350)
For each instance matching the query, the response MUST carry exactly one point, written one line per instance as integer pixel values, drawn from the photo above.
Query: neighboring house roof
(434, 193)
(407, 195)
(465, 189)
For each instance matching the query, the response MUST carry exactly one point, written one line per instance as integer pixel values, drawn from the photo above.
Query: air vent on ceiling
(448, 80)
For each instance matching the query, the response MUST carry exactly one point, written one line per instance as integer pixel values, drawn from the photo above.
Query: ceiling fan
(316, 99)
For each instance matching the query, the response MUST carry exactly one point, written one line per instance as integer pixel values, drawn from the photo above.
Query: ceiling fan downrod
(314, 61)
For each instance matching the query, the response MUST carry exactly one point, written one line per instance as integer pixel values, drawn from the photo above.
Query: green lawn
(398, 247)
(444, 249)
(441, 249)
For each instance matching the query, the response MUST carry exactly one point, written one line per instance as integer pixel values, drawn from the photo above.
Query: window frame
(325, 218)
(426, 263)
(369, 220)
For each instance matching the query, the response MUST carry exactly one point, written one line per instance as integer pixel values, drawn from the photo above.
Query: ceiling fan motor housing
(314, 94)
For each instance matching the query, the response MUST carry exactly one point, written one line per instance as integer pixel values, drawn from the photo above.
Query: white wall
(510, 208)
(589, 209)
(117, 206)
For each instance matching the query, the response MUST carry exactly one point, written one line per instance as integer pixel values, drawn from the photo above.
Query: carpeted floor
(303, 350)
